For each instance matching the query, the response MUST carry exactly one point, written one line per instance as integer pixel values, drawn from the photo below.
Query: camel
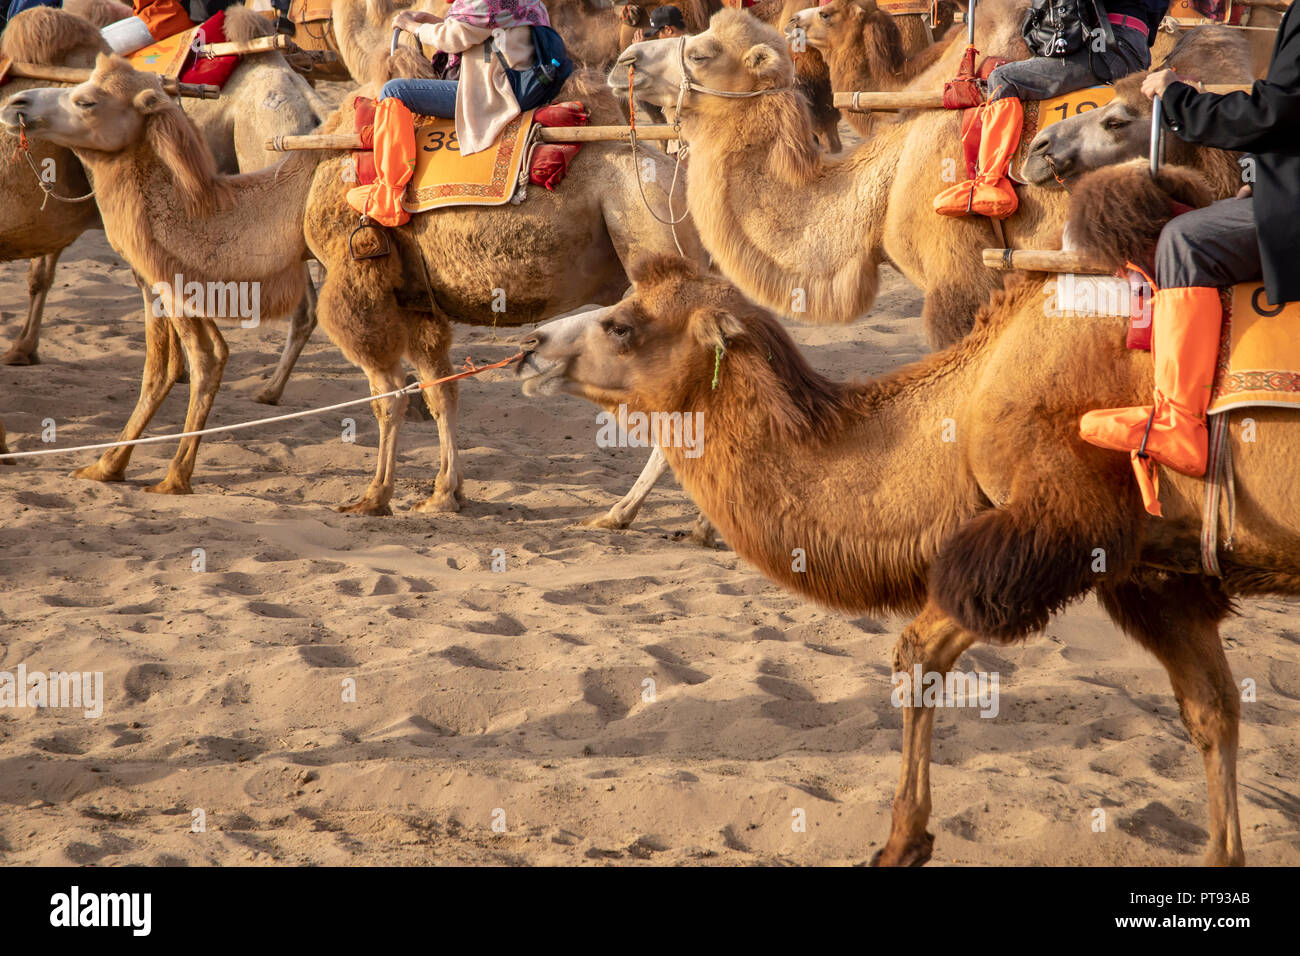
(983, 536)
(263, 98)
(863, 48)
(1121, 129)
(506, 265)
(805, 236)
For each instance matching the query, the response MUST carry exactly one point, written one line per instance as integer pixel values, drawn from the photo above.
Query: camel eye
(620, 332)
(84, 104)
(1114, 123)
(824, 15)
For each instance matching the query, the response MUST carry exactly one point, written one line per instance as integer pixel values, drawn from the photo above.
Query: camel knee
(40, 275)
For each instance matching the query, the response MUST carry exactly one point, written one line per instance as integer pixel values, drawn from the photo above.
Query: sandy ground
(517, 697)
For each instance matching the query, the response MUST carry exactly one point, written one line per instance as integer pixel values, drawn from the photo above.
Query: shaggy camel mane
(46, 36)
(1117, 212)
(806, 407)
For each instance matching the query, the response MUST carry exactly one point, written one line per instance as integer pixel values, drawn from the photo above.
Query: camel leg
(207, 353)
(1177, 619)
(40, 276)
(431, 351)
(4, 449)
(934, 641)
(301, 327)
(388, 412)
(626, 510)
(163, 364)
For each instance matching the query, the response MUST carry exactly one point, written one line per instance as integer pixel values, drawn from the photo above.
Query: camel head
(52, 37)
(1121, 130)
(652, 351)
(738, 53)
(114, 111)
(1118, 131)
(852, 24)
(105, 114)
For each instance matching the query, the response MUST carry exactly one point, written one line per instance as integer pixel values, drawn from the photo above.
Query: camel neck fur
(168, 213)
(757, 177)
(864, 478)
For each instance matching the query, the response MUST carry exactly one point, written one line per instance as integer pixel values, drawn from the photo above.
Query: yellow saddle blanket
(1040, 114)
(1259, 354)
(445, 177)
(166, 57)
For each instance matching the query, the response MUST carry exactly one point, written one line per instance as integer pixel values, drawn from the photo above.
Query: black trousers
(1214, 246)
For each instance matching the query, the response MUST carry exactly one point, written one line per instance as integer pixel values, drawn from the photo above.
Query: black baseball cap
(665, 16)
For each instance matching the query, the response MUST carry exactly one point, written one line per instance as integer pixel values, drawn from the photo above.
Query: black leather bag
(1064, 27)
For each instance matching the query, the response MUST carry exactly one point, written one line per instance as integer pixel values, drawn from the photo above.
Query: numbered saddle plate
(1259, 356)
(1040, 114)
(446, 177)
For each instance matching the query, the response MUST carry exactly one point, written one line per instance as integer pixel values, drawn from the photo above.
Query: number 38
(439, 139)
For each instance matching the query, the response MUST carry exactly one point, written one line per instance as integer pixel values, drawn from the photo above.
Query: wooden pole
(72, 74)
(548, 134)
(1043, 260)
(867, 102)
(241, 47)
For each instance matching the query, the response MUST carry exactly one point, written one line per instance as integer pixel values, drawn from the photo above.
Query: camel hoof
(169, 487)
(916, 853)
(268, 396)
(439, 501)
(364, 507)
(96, 473)
(15, 357)
(606, 521)
(1221, 858)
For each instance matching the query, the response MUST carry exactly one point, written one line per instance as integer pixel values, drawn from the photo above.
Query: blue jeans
(426, 97)
(1042, 77)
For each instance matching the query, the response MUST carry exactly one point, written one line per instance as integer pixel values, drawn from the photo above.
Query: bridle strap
(689, 84)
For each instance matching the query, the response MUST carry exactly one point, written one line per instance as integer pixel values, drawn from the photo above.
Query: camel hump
(48, 36)
(1117, 212)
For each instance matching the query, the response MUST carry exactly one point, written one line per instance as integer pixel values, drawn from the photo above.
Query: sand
(502, 716)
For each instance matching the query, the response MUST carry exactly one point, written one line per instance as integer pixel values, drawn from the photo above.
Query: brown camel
(1121, 129)
(956, 488)
(169, 211)
(804, 235)
(263, 98)
(863, 48)
(1259, 37)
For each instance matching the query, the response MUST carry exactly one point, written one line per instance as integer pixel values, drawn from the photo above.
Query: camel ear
(150, 101)
(763, 61)
(714, 328)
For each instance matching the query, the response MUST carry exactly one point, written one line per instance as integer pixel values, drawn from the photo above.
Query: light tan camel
(1121, 129)
(863, 48)
(956, 488)
(805, 236)
(263, 98)
(168, 210)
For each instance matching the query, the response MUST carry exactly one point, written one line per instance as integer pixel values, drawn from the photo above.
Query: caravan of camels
(721, 251)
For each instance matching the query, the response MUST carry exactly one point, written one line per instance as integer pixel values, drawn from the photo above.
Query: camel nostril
(532, 343)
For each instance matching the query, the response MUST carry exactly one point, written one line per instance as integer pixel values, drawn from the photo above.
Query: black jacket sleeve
(1267, 119)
